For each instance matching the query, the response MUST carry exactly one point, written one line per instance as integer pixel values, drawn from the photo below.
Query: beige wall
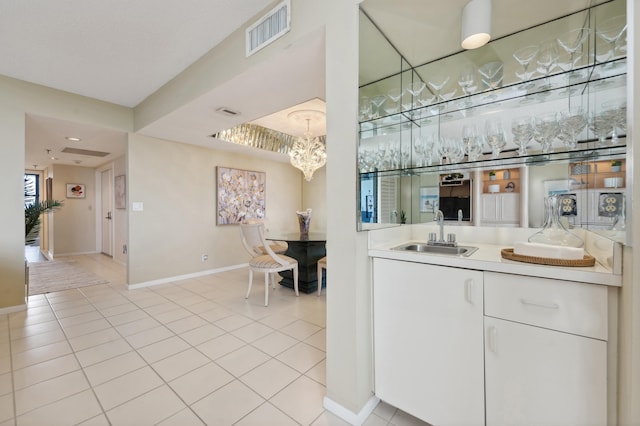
(120, 216)
(74, 225)
(176, 184)
(314, 196)
(18, 99)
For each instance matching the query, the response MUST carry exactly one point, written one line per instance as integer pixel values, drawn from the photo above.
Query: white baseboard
(185, 276)
(11, 309)
(80, 253)
(348, 416)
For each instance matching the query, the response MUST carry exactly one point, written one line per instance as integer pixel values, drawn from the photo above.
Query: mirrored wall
(485, 135)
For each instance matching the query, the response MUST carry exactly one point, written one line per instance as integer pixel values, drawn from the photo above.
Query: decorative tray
(587, 260)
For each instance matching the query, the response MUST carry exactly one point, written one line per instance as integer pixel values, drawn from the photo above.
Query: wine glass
(495, 136)
(546, 128)
(611, 31)
(616, 111)
(547, 59)
(601, 126)
(467, 82)
(522, 130)
(437, 84)
(492, 74)
(415, 89)
(365, 108)
(377, 102)
(524, 56)
(451, 149)
(572, 41)
(471, 141)
(572, 122)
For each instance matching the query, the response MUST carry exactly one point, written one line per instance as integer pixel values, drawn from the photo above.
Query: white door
(536, 376)
(428, 341)
(107, 212)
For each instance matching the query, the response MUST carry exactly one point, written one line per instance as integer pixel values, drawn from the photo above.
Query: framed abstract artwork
(120, 192)
(75, 190)
(241, 195)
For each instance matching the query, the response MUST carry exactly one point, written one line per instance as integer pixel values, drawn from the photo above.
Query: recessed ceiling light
(73, 139)
(54, 158)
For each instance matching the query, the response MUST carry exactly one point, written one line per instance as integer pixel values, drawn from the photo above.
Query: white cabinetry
(428, 337)
(500, 209)
(545, 351)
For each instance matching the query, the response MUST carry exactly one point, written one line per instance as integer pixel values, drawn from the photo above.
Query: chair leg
(266, 289)
(273, 280)
(250, 283)
(319, 279)
(295, 279)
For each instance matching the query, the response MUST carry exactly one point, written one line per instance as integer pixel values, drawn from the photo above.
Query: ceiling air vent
(227, 111)
(269, 28)
(85, 152)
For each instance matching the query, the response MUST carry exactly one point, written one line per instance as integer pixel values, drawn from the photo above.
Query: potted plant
(492, 175)
(616, 165)
(32, 213)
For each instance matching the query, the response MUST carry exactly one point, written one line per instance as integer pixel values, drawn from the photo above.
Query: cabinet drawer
(558, 305)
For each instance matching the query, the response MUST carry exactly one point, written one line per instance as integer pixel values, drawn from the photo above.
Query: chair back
(253, 239)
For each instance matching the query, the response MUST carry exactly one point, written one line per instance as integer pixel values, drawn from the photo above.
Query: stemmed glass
(437, 85)
(377, 102)
(547, 59)
(571, 43)
(616, 112)
(573, 122)
(451, 149)
(415, 89)
(471, 141)
(495, 136)
(545, 129)
(522, 130)
(492, 73)
(611, 31)
(601, 126)
(365, 108)
(467, 82)
(525, 56)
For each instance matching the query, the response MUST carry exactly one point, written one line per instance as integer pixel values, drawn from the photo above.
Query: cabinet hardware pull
(492, 337)
(547, 305)
(468, 291)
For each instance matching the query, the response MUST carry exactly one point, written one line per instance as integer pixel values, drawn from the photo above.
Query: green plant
(403, 217)
(615, 163)
(32, 213)
(492, 173)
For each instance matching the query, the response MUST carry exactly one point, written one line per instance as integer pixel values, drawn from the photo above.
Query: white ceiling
(122, 51)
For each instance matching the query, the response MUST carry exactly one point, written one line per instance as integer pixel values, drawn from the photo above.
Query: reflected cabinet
(542, 108)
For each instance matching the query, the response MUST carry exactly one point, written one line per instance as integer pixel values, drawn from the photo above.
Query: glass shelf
(601, 77)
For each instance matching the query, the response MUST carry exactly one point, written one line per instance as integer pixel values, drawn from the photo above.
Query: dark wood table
(307, 250)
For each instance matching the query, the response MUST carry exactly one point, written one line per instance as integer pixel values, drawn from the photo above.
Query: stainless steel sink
(433, 249)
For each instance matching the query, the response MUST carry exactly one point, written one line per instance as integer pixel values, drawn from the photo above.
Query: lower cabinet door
(536, 376)
(428, 345)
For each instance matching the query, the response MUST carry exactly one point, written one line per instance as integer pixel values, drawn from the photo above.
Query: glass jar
(553, 231)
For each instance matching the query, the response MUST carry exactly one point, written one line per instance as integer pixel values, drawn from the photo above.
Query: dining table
(307, 249)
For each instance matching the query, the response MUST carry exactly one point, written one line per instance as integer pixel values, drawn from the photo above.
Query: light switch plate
(137, 206)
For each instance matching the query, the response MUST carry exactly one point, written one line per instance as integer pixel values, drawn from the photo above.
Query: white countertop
(488, 258)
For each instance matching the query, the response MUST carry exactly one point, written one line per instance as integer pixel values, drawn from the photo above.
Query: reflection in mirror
(517, 129)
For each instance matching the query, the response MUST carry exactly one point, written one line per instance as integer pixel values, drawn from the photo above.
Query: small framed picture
(75, 190)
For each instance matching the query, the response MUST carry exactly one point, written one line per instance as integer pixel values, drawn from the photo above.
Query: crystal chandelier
(308, 153)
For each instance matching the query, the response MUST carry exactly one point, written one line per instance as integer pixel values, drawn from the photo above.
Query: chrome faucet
(451, 238)
(439, 217)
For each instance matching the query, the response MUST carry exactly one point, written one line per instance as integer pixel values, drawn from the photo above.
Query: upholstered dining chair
(278, 247)
(252, 237)
(322, 264)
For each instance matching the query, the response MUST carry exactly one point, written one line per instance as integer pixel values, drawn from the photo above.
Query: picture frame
(240, 195)
(76, 190)
(429, 199)
(119, 191)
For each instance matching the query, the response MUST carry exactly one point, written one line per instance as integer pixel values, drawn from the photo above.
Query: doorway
(106, 185)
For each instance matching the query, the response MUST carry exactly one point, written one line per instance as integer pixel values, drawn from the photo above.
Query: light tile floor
(190, 352)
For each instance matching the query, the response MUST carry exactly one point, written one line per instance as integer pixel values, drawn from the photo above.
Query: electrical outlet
(205, 257)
